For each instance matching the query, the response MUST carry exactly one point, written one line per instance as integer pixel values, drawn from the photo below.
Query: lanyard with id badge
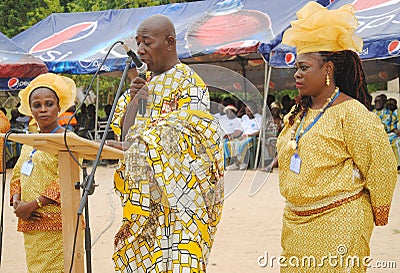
(27, 166)
(295, 161)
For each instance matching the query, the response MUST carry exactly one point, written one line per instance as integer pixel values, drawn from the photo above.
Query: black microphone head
(141, 67)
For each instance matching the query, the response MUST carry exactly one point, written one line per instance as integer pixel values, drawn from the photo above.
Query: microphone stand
(88, 181)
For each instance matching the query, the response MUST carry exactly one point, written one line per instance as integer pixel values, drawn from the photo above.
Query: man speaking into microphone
(171, 180)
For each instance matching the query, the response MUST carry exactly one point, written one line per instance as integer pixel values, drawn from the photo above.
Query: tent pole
(261, 137)
(96, 136)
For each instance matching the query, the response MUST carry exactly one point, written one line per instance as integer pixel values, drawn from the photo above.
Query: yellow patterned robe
(171, 187)
(346, 182)
(42, 238)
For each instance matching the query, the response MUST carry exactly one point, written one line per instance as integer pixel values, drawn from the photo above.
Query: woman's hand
(26, 210)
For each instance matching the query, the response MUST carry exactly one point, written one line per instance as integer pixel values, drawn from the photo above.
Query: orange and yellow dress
(345, 185)
(42, 238)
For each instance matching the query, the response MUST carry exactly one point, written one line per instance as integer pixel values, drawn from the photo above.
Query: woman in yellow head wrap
(35, 189)
(336, 167)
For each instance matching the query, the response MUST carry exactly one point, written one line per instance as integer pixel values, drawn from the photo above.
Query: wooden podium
(69, 175)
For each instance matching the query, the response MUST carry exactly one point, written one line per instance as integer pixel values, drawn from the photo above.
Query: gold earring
(327, 81)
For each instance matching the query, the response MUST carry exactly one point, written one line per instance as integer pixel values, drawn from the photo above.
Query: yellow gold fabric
(64, 87)
(122, 103)
(171, 187)
(4, 127)
(345, 152)
(319, 29)
(44, 251)
(343, 232)
(44, 180)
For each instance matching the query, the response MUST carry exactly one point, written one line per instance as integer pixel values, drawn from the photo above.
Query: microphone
(141, 68)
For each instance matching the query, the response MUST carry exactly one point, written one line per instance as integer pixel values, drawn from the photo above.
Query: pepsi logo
(290, 59)
(13, 83)
(394, 47)
(67, 35)
(360, 5)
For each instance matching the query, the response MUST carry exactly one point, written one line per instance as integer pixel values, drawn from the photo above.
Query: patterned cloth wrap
(173, 173)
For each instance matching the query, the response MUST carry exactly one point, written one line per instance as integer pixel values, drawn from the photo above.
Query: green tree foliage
(17, 16)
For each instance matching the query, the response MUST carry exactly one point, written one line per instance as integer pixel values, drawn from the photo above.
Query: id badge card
(27, 167)
(295, 163)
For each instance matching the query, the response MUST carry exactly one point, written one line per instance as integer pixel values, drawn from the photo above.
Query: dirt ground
(249, 229)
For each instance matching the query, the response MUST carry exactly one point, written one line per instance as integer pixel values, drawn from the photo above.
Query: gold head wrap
(319, 29)
(64, 87)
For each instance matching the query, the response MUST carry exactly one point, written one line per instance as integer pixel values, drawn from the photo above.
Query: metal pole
(96, 135)
(261, 137)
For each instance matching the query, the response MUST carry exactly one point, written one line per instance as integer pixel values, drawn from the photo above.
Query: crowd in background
(241, 122)
(386, 110)
(234, 119)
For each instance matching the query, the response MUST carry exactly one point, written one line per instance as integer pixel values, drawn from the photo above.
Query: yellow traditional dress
(171, 186)
(346, 182)
(42, 238)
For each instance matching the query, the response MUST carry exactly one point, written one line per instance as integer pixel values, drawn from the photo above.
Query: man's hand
(138, 90)
(121, 145)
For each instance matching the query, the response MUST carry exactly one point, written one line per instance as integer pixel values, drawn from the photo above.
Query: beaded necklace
(297, 127)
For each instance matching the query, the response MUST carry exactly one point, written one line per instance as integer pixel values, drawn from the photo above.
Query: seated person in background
(391, 104)
(251, 124)
(276, 121)
(274, 127)
(241, 109)
(24, 121)
(87, 128)
(82, 116)
(103, 123)
(107, 110)
(13, 121)
(232, 129)
(287, 104)
(64, 118)
(221, 107)
(388, 121)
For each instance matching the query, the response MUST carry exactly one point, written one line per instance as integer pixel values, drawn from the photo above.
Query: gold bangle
(39, 203)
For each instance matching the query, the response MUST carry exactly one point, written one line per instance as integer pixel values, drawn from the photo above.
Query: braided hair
(349, 77)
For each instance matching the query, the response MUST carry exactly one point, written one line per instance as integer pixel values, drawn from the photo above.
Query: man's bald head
(160, 24)
(156, 42)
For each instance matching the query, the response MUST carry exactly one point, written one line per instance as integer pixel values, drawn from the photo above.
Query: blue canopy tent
(207, 31)
(17, 67)
(223, 32)
(380, 31)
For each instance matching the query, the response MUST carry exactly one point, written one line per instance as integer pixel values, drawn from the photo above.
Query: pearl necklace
(292, 142)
